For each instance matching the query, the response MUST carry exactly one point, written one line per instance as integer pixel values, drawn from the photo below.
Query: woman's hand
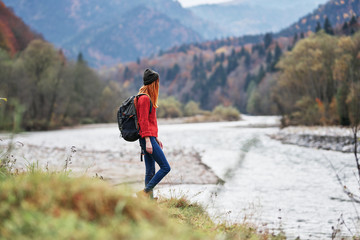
(149, 147)
(160, 143)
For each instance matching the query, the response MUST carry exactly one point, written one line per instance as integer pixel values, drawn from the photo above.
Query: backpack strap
(142, 153)
(137, 96)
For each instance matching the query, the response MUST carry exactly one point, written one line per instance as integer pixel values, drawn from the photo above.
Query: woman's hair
(152, 90)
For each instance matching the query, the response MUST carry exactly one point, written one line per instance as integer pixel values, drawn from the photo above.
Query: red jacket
(146, 120)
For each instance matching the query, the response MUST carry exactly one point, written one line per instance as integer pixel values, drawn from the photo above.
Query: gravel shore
(327, 138)
(119, 166)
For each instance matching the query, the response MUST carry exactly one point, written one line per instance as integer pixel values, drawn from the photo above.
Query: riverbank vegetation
(46, 91)
(170, 107)
(319, 82)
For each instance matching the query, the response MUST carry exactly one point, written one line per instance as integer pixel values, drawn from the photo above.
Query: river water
(267, 183)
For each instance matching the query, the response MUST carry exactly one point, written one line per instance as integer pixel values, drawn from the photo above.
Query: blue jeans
(152, 179)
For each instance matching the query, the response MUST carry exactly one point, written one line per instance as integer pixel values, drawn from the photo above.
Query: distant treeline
(313, 80)
(320, 81)
(46, 91)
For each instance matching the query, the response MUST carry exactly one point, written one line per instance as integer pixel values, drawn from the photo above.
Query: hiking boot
(143, 194)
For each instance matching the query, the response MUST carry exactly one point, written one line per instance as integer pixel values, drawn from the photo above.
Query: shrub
(169, 108)
(226, 113)
(307, 112)
(192, 108)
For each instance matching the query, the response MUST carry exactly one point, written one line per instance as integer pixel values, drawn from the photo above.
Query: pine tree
(269, 58)
(208, 66)
(327, 27)
(247, 60)
(277, 55)
(342, 107)
(261, 50)
(222, 57)
(353, 21)
(267, 40)
(195, 72)
(318, 27)
(232, 62)
(173, 72)
(248, 79)
(219, 77)
(127, 73)
(80, 58)
(261, 75)
(295, 39)
(242, 52)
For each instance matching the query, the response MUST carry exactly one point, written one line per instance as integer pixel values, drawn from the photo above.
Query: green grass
(40, 205)
(194, 215)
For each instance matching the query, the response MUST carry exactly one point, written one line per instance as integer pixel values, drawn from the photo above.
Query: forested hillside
(230, 72)
(213, 73)
(336, 11)
(15, 35)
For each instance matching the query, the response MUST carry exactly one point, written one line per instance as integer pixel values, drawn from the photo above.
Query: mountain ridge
(337, 11)
(256, 16)
(138, 41)
(68, 23)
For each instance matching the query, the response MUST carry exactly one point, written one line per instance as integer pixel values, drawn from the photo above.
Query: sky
(190, 3)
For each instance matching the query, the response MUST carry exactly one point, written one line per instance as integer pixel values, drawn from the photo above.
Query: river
(267, 183)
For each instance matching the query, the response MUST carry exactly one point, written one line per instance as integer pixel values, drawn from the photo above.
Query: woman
(149, 141)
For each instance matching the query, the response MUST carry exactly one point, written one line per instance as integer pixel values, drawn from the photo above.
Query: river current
(278, 186)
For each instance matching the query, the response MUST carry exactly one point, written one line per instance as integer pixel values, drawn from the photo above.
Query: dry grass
(40, 205)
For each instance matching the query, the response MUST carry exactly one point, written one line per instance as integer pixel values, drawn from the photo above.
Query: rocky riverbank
(327, 138)
(118, 166)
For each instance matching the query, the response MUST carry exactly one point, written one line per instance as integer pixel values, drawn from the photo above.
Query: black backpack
(127, 119)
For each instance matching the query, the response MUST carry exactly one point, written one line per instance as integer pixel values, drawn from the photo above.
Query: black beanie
(150, 76)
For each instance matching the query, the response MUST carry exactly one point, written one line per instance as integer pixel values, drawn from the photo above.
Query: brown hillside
(15, 35)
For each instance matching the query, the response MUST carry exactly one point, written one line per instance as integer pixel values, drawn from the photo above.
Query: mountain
(241, 17)
(140, 32)
(337, 11)
(15, 35)
(113, 30)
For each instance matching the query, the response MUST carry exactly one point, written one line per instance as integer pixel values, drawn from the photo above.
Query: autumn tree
(320, 77)
(306, 75)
